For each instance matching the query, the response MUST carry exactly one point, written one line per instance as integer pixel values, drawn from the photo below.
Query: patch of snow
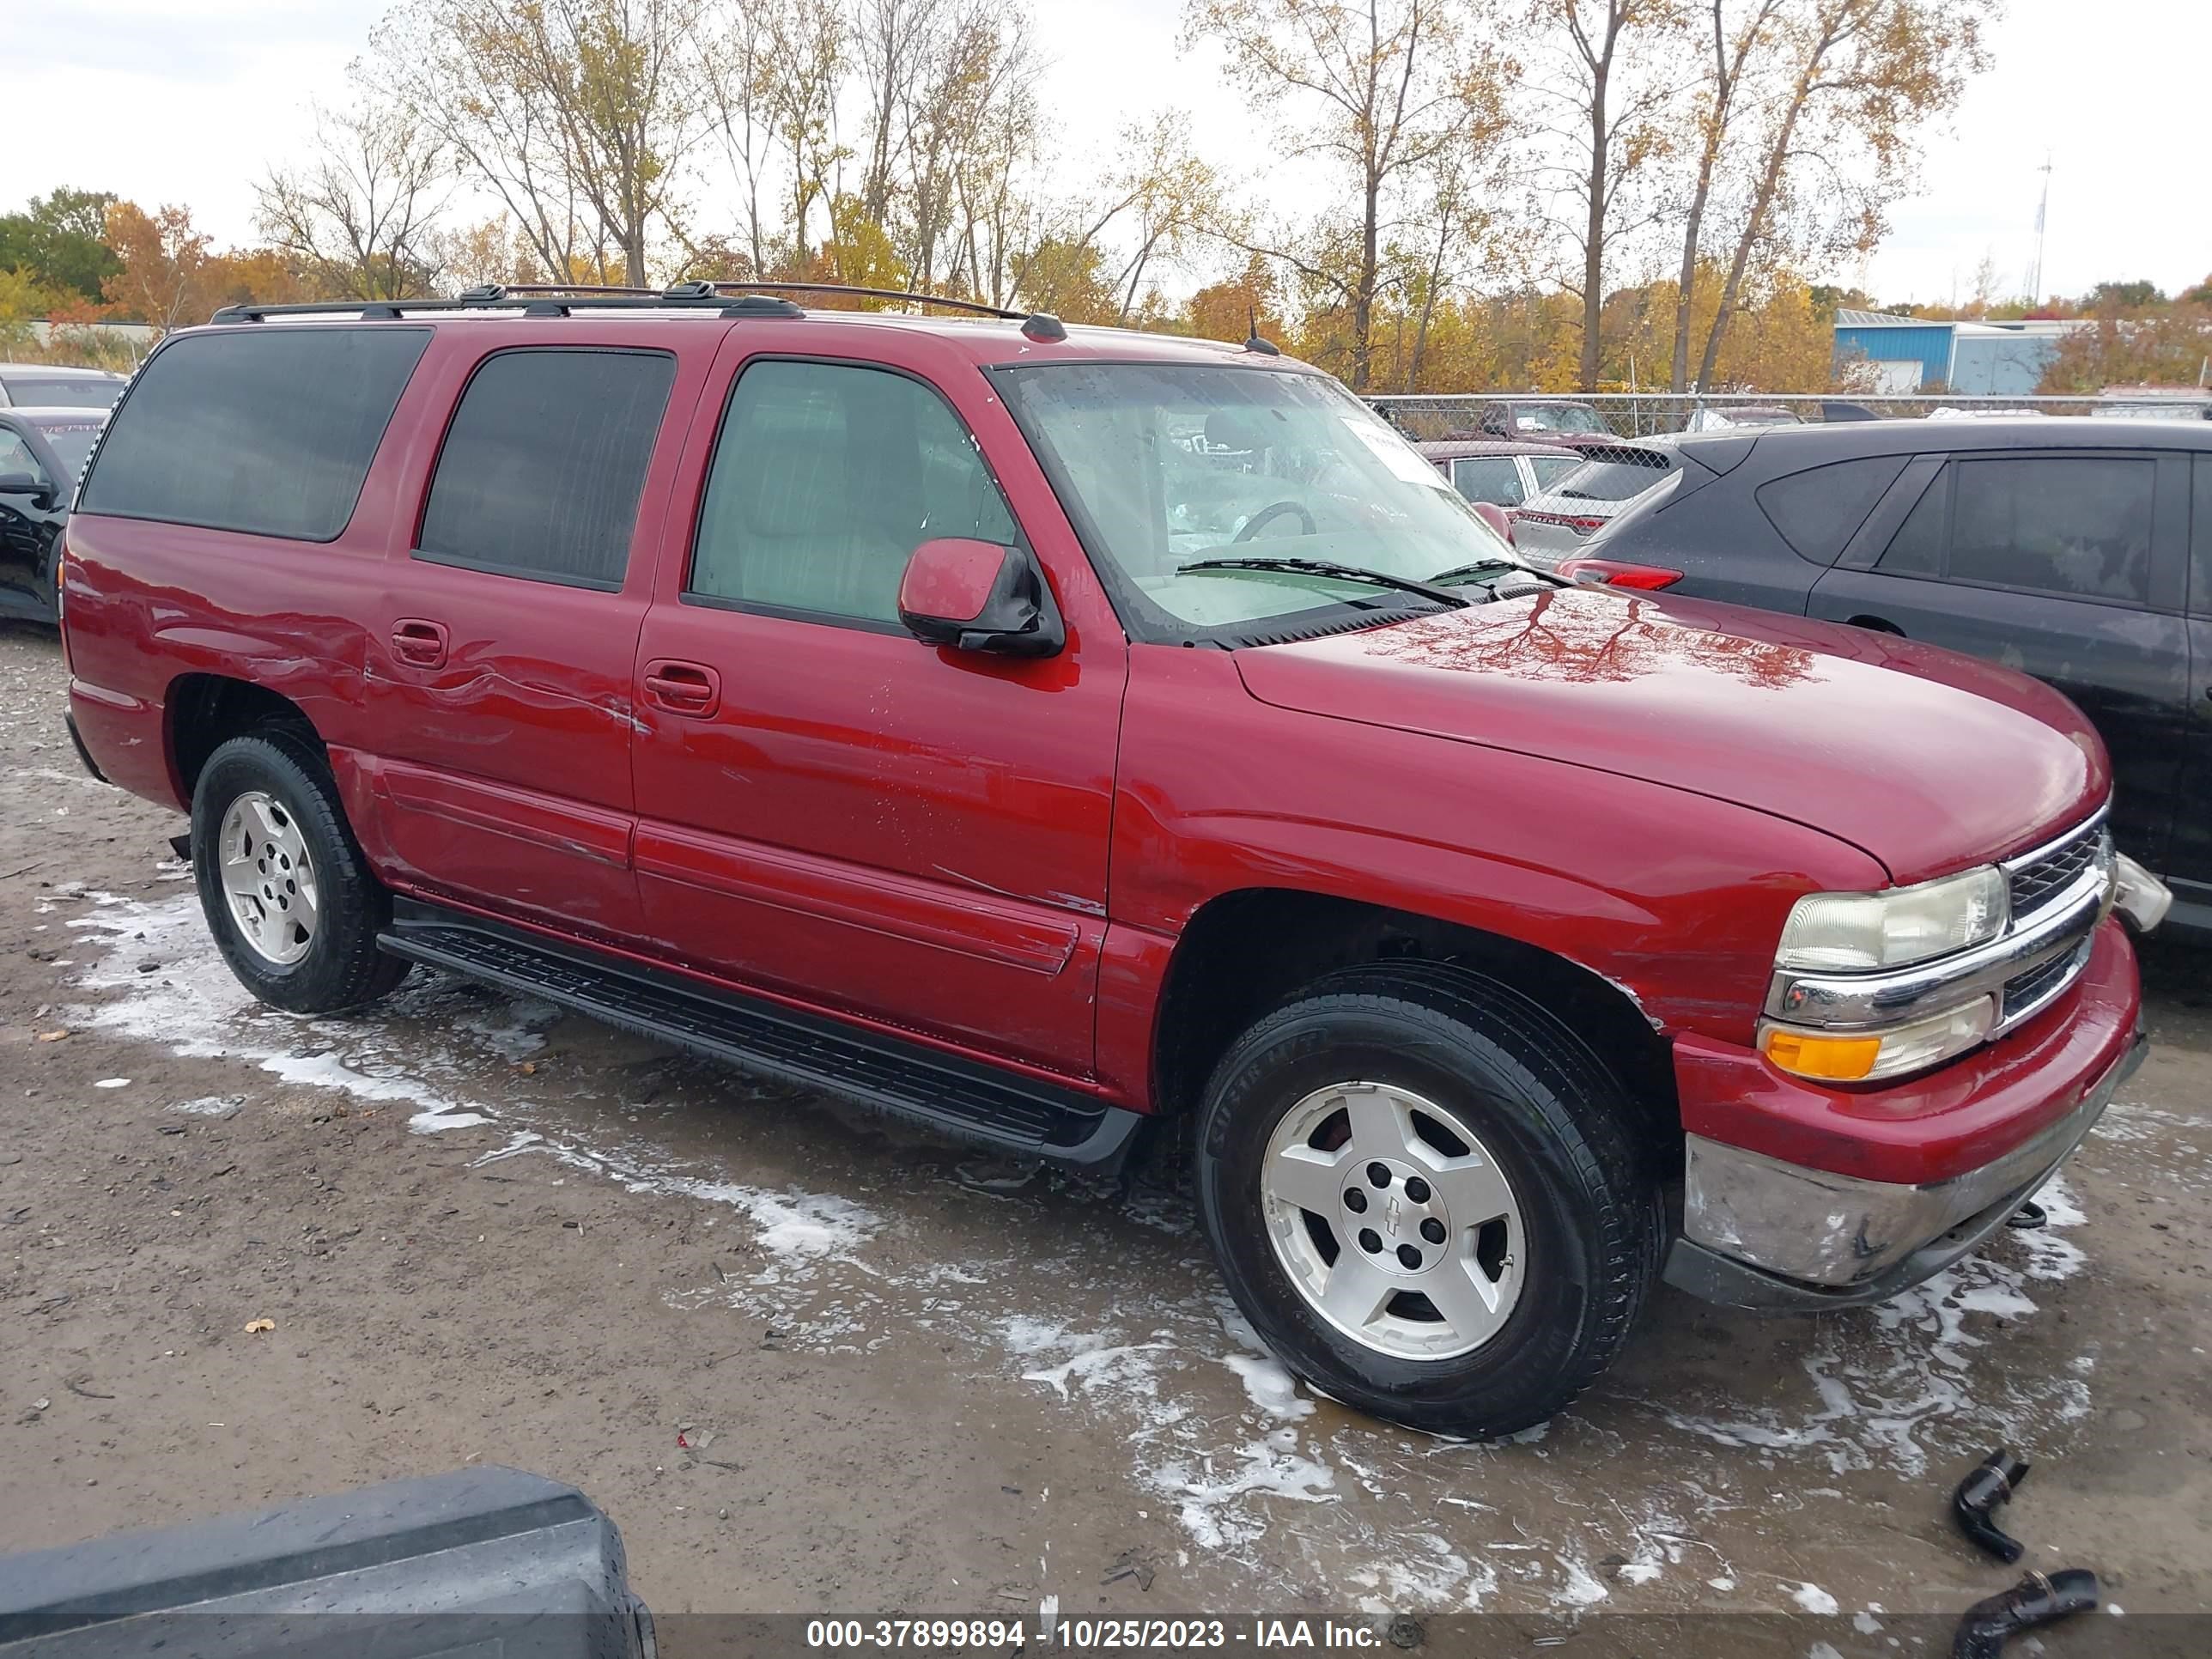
(1582, 1589)
(1270, 1385)
(1812, 1599)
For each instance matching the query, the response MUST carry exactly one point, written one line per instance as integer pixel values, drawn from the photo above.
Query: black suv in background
(2077, 550)
(42, 451)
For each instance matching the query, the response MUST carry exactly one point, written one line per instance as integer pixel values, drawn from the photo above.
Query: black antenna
(1252, 340)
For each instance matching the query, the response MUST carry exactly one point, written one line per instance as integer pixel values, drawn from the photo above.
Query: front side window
(1491, 478)
(543, 467)
(267, 430)
(16, 460)
(1168, 466)
(2078, 525)
(826, 476)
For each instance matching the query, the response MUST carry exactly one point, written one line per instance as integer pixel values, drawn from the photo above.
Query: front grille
(2036, 882)
(2024, 992)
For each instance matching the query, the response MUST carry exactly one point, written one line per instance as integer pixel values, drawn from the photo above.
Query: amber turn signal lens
(1841, 1058)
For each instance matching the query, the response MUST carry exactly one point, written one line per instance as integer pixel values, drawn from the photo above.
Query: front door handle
(418, 643)
(690, 688)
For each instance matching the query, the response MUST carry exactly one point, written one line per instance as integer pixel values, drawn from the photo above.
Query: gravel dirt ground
(811, 1363)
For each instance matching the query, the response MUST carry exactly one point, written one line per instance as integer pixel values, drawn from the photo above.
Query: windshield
(1167, 464)
(72, 442)
(94, 391)
(1557, 417)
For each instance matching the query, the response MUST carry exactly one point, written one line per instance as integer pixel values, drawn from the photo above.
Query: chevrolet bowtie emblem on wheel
(1390, 1217)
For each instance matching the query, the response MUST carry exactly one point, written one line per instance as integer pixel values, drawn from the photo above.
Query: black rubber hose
(1990, 1484)
(2036, 1599)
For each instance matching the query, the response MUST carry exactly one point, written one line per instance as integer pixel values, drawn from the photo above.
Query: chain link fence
(1645, 414)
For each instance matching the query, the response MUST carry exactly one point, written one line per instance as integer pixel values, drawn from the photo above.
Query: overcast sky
(161, 101)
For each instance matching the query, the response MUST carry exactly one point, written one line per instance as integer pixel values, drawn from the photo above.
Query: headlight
(1849, 932)
(1869, 1056)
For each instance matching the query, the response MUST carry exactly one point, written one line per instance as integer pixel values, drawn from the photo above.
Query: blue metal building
(1986, 359)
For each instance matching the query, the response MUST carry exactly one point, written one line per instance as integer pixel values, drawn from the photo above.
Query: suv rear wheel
(294, 908)
(1425, 1194)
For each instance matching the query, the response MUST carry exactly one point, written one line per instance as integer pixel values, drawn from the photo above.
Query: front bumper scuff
(1763, 1234)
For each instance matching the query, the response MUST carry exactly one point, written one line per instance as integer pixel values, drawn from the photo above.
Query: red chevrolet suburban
(1038, 732)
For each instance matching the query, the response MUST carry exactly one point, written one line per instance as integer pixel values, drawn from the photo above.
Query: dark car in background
(42, 451)
(54, 385)
(1499, 470)
(1540, 421)
(2077, 550)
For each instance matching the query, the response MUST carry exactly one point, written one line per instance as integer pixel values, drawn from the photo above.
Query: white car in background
(1552, 527)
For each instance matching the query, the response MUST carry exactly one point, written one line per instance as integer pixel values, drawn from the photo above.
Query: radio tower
(2042, 208)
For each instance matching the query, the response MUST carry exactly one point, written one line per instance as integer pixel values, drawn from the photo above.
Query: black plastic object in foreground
(2034, 1600)
(480, 1560)
(1992, 1482)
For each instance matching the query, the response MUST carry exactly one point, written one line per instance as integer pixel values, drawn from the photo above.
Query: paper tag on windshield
(1395, 452)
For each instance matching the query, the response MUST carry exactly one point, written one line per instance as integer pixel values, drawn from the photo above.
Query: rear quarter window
(1818, 511)
(268, 431)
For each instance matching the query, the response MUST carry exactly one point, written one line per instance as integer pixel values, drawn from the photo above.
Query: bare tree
(805, 68)
(1379, 88)
(1602, 83)
(577, 113)
(736, 61)
(357, 217)
(893, 39)
(1736, 51)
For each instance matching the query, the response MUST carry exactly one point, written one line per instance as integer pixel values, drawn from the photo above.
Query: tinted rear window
(1615, 480)
(1820, 509)
(91, 391)
(269, 432)
(542, 467)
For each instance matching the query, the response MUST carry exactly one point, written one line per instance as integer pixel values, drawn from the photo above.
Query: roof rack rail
(530, 301)
(750, 299)
(696, 290)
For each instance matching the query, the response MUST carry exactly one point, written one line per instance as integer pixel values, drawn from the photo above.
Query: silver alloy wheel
(268, 878)
(1392, 1220)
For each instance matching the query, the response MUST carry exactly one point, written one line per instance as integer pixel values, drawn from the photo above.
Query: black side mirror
(28, 483)
(978, 596)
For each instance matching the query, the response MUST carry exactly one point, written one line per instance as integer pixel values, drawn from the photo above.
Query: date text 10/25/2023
(1094, 1635)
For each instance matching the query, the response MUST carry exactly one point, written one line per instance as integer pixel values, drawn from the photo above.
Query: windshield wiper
(1351, 572)
(1460, 572)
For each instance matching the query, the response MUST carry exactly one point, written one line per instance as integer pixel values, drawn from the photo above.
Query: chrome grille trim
(2015, 967)
(2032, 878)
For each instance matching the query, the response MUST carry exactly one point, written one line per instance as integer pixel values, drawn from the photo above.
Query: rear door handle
(690, 688)
(419, 643)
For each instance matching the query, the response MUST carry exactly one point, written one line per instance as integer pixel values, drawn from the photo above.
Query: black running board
(966, 1100)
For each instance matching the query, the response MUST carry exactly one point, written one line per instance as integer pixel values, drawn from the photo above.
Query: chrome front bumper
(1761, 1233)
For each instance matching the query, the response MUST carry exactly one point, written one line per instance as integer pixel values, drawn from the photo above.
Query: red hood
(1927, 761)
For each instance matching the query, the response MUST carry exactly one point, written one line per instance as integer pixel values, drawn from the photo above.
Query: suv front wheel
(293, 905)
(1426, 1195)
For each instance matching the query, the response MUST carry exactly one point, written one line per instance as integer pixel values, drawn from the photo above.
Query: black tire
(1556, 1123)
(342, 967)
